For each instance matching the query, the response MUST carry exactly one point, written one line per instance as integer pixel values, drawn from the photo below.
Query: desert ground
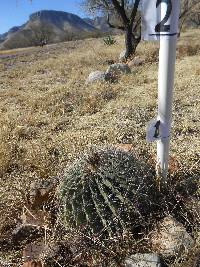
(49, 116)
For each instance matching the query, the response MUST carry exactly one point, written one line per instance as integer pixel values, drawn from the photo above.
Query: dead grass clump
(189, 259)
(148, 51)
(187, 50)
(152, 56)
(5, 157)
(94, 99)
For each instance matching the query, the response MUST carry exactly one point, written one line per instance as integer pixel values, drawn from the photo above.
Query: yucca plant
(107, 191)
(109, 40)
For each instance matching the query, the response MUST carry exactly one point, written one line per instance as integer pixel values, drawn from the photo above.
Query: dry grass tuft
(188, 50)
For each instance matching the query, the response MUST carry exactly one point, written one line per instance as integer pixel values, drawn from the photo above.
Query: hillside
(49, 26)
(49, 117)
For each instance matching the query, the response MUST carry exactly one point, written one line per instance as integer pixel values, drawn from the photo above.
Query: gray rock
(117, 69)
(136, 62)
(96, 76)
(122, 56)
(171, 238)
(143, 260)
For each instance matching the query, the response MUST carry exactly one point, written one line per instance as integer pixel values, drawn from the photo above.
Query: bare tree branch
(121, 11)
(114, 26)
(134, 11)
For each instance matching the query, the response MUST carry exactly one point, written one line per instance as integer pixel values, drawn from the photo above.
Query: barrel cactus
(105, 192)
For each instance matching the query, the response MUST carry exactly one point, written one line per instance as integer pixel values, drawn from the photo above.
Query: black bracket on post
(157, 130)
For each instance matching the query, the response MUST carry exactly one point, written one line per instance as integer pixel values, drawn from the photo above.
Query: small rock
(117, 69)
(135, 62)
(170, 238)
(96, 76)
(143, 260)
(125, 147)
(122, 56)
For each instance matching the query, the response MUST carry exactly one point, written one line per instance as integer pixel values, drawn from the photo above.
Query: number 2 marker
(160, 22)
(161, 27)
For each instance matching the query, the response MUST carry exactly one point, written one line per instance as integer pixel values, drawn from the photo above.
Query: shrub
(109, 40)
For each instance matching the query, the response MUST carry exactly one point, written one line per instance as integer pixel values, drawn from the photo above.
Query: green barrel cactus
(106, 192)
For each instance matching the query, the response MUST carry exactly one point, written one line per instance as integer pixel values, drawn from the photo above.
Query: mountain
(11, 31)
(48, 26)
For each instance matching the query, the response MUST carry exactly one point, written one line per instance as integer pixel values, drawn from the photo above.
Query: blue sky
(16, 12)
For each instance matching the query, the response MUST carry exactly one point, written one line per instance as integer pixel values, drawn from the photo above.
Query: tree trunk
(131, 42)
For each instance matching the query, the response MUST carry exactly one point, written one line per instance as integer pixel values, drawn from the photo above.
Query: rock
(135, 62)
(170, 238)
(117, 69)
(96, 76)
(122, 56)
(143, 260)
(125, 147)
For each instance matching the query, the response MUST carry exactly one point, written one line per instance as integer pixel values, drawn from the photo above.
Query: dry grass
(49, 115)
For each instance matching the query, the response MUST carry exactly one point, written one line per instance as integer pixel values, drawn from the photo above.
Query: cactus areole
(106, 192)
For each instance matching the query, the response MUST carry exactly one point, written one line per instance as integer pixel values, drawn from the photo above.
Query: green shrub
(109, 40)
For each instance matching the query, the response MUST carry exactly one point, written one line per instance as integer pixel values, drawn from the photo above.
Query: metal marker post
(167, 58)
(160, 23)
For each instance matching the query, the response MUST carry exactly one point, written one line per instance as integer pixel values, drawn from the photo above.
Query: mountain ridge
(51, 26)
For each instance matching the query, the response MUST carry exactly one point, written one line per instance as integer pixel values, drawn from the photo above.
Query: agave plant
(107, 191)
(109, 40)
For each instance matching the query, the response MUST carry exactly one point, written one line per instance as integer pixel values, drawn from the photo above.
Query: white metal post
(160, 22)
(167, 58)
